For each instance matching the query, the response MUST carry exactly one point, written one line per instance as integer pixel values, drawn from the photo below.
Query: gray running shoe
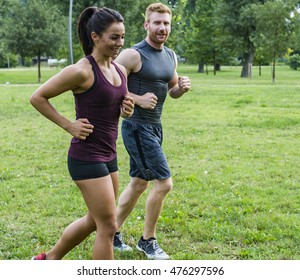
(119, 243)
(151, 249)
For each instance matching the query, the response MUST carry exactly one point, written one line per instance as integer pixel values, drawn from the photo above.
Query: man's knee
(167, 188)
(138, 185)
(163, 186)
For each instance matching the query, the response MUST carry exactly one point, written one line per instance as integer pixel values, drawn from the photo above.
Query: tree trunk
(218, 67)
(39, 66)
(22, 61)
(247, 65)
(273, 69)
(259, 69)
(201, 68)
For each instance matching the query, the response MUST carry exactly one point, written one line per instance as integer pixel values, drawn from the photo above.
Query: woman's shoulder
(77, 76)
(81, 69)
(121, 67)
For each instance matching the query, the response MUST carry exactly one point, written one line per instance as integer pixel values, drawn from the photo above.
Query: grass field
(233, 148)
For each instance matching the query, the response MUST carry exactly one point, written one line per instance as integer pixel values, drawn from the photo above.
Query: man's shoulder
(139, 45)
(169, 50)
(128, 53)
(130, 59)
(143, 46)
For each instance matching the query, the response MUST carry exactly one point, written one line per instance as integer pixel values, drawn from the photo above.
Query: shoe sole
(151, 257)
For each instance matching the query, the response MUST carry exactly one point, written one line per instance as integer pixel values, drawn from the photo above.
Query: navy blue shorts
(143, 143)
(83, 170)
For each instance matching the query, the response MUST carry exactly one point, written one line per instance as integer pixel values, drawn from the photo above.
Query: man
(151, 70)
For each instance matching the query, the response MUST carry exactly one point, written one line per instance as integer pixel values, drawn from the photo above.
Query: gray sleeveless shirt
(157, 70)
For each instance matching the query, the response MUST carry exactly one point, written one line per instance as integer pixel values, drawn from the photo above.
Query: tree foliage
(294, 61)
(273, 29)
(205, 39)
(37, 29)
(203, 31)
(131, 10)
(295, 34)
(218, 30)
(240, 27)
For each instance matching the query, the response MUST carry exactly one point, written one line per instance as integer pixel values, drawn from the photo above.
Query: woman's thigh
(99, 197)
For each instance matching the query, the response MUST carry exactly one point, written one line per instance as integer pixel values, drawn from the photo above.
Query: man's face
(158, 27)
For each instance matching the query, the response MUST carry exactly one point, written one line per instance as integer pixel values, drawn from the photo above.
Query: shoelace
(155, 246)
(119, 238)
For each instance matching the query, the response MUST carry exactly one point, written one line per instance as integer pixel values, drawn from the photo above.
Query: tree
(133, 13)
(6, 58)
(175, 40)
(295, 37)
(131, 10)
(38, 29)
(273, 29)
(241, 27)
(205, 41)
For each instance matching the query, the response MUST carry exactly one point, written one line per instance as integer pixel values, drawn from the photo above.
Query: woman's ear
(94, 37)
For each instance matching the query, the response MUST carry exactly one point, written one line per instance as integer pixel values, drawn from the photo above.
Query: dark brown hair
(97, 20)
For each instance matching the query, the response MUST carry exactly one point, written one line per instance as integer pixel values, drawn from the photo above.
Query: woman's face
(112, 40)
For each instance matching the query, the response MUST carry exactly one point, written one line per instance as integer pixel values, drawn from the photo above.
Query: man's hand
(184, 84)
(147, 101)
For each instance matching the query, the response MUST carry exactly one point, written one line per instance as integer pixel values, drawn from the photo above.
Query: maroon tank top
(101, 106)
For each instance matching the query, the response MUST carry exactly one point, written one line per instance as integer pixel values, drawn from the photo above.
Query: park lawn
(26, 75)
(233, 148)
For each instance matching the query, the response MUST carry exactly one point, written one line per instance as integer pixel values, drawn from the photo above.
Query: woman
(100, 92)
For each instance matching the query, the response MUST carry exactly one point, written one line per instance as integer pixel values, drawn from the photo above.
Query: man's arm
(131, 60)
(178, 85)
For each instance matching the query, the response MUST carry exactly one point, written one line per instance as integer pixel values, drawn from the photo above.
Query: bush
(8, 61)
(294, 61)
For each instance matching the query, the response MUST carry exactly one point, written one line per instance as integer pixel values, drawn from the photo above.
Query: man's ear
(146, 24)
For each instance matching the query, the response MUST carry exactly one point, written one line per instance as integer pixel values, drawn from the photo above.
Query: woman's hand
(127, 107)
(80, 129)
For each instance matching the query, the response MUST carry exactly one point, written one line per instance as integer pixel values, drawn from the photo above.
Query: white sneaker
(151, 249)
(119, 244)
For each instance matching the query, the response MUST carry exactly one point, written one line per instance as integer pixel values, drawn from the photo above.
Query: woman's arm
(70, 78)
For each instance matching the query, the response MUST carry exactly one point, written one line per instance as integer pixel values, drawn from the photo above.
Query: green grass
(232, 145)
(26, 75)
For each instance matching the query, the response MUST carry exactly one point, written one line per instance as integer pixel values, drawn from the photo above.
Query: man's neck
(153, 45)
